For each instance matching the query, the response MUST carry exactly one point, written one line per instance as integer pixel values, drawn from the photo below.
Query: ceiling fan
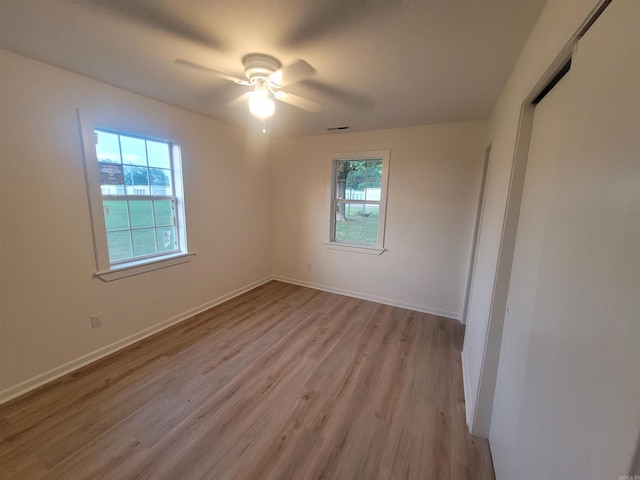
(266, 77)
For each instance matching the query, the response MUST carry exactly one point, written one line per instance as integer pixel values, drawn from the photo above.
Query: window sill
(136, 268)
(349, 247)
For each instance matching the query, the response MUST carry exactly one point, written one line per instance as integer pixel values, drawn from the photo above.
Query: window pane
(341, 189)
(116, 214)
(354, 169)
(111, 178)
(112, 189)
(370, 223)
(166, 237)
(160, 181)
(358, 183)
(107, 147)
(119, 245)
(141, 212)
(137, 180)
(373, 194)
(351, 211)
(360, 224)
(342, 231)
(134, 151)
(342, 171)
(163, 210)
(364, 174)
(144, 242)
(158, 153)
(343, 213)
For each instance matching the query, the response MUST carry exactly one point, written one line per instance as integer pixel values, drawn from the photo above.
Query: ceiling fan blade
(152, 15)
(218, 97)
(239, 99)
(295, 72)
(330, 16)
(202, 68)
(297, 101)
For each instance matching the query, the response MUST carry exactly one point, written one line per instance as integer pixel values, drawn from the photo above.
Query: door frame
(476, 233)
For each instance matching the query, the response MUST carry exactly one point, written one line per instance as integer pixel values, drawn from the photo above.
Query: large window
(135, 193)
(359, 183)
(139, 203)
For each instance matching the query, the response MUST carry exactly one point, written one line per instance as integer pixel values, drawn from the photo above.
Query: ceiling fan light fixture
(261, 105)
(267, 76)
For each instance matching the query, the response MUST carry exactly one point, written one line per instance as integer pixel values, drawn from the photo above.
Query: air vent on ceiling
(342, 127)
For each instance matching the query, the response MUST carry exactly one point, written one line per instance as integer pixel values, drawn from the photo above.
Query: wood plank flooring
(283, 382)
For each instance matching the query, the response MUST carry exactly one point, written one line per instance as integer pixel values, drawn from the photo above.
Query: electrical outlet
(96, 320)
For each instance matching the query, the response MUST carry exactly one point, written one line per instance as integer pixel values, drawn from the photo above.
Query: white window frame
(106, 270)
(357, 247)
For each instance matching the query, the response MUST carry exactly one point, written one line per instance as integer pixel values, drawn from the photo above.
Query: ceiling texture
(378, 63)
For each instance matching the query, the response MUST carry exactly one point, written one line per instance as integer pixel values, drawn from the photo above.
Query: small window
(135, 193)
(359, 182)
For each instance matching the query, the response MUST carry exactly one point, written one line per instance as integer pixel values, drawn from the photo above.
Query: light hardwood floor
(283, 382)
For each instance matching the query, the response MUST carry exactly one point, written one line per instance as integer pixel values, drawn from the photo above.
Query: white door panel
(567, 402)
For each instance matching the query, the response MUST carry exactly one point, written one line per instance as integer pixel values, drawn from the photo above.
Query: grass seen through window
(360, 225)
(138, 228)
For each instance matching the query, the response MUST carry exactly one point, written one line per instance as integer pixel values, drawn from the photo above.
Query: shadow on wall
(634, 470)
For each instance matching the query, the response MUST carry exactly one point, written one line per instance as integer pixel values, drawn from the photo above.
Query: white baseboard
(373, 298)
(57, 372)
(467, 390)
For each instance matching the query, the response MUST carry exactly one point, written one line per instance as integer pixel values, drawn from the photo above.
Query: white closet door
(567, 401)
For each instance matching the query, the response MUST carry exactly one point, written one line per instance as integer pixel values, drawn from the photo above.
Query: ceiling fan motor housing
(258, 65)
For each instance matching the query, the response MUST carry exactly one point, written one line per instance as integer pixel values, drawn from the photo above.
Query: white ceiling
(379, 63)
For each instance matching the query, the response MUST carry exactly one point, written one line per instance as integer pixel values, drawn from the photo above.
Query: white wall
(434, 181)
(46, 256)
